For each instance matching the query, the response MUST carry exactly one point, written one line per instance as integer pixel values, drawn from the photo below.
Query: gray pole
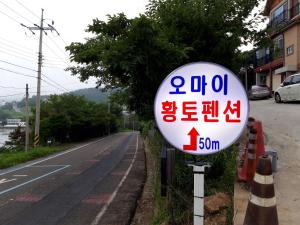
(38, 95)
(27, 120)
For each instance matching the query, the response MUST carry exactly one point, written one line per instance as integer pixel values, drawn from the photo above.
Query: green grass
(9, 159)
(124, 130)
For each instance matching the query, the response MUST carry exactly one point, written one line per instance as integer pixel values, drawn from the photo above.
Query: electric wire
(17, 56)
(57, 46)
(14, 43)
(4, 96)
(63, 88)
(24, 67)
(17, 13)
(27, 9)
(16, 48)
(16, 88)
(17, 52)
(15, 72)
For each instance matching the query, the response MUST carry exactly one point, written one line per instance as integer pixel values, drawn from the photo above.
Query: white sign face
(201, 108)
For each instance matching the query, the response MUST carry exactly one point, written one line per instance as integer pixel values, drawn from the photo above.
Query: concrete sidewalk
(241, 196)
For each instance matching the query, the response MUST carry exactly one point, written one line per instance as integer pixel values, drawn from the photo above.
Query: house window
(280, 14)
(290, 50)
(278, 46)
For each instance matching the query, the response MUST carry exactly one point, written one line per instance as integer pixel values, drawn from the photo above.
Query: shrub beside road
(220, 178)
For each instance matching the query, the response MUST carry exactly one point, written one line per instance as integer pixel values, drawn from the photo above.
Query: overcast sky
(20, 47)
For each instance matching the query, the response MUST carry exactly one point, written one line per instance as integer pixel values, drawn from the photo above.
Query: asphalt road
(72, 187)
(281, 124)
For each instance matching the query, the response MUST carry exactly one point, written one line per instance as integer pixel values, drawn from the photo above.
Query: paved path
(78, 186)
(281, 124)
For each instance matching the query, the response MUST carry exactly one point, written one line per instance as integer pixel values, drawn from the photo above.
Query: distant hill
(9, 111)
(92, 94)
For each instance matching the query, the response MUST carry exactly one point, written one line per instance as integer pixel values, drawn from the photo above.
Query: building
(14, 123)
(275, 63)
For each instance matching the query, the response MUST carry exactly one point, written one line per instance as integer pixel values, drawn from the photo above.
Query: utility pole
(42, 30)
(27, 120)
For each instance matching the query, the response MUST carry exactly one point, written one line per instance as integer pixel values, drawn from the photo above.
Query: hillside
(92, 94)
(8, 110)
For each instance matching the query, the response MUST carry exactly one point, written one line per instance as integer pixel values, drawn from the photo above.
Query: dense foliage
(138, 53)
(73, 118)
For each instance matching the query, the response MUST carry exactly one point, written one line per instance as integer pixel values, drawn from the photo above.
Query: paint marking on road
(3, 181)
(97, 199)
(28, 198)
(20, 175)
(112, 197)
(32, 180)
(41, 166)
(54, 156)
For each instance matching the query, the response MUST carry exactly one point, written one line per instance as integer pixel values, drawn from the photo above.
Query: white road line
(103, 210)
(32, 180)
(41, 166)
(54, 156)
(20, 175)
(3, 181)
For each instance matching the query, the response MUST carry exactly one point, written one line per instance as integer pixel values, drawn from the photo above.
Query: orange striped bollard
(251, 155)
(261, 208)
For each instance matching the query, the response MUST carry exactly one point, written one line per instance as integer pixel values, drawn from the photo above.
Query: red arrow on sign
(193, 140)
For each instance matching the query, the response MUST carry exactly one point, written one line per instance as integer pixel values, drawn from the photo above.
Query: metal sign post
(198, 194)
(199, 172)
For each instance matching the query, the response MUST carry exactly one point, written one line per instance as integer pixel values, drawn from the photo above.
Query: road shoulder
(126, 200)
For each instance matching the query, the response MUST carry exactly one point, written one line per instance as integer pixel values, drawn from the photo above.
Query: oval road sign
(201, 108)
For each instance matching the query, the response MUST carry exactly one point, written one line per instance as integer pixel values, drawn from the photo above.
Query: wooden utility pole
(41, 29)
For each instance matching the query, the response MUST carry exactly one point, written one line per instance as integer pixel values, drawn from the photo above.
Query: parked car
(289, 90)
(259, 92)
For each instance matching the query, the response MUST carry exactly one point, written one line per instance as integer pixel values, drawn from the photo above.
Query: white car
(289, 90)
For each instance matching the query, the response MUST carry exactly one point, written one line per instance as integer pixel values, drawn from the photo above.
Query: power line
(14, 43)
(58, 47)
(27, 9)
(47, 82)
(17, 13)
(55, 82)
(4, 96)
(16, 48)
(18, 73)
(13, 19)
(17, 52)
(17, 56)
(56, 54)
(59, 87)
(17, 88)
(17, 65)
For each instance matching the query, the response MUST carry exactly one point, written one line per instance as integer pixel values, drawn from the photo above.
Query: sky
(20, 47)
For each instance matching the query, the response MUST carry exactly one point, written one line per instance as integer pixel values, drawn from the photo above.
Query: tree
(137, 54)
(73, 118)
(16, 139)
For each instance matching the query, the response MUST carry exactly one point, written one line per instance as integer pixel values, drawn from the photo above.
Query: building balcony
(268, 55)
(279, 21)
(284, 19)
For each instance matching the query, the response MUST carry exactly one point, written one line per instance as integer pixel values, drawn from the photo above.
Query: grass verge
(9, 159)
